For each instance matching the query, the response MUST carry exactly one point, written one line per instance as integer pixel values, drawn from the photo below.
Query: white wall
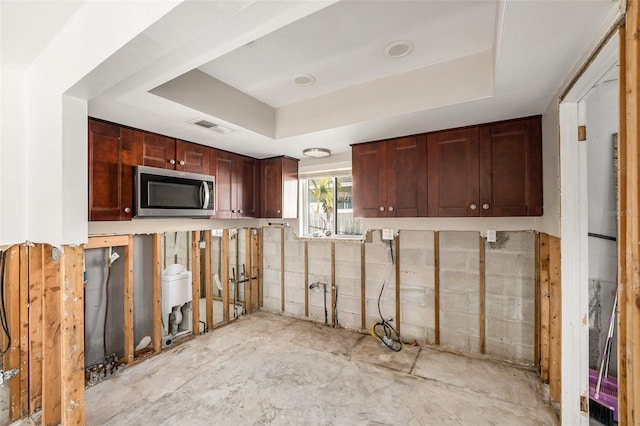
(550, 221)
(13, 167)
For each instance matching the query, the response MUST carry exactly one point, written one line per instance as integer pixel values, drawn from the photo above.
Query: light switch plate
(387, 234)
(491, 235)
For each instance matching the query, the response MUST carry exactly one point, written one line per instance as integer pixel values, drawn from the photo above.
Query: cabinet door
(511, 168)
(369, 169)
(271, 188)
(225, 195)
(156, 151)
(406, 177)
(247, 187)
(191, 157)
(453, 178)
(110, 172)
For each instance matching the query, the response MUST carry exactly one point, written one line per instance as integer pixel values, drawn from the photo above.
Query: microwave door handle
(205, 189)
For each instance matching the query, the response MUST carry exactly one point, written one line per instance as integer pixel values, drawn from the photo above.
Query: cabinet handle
(485, 206)
(390, 208)
(278, 211)
(172, 161)
(240, 211)
(381, 208)
(127, 209)
(473, 206)
(233, 211)
(182, 162)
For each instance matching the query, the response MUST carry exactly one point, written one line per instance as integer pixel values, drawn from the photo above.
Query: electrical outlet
(491, 235)
(203, 244)
(387, 234)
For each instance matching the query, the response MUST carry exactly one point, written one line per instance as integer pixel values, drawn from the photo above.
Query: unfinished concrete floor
(269, 369)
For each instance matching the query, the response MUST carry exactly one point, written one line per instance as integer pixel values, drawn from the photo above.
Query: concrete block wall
(417, 273)
(510, 293)
(460, 291)
(180, 254)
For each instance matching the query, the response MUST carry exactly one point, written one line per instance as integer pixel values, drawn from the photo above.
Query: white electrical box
(491, 235)
(387, 234)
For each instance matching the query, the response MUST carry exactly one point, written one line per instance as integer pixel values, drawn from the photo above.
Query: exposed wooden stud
(536, 303)
(545, 313)
(256, 271)
(306, 278)
(363, 281)
(282, 295)
(195, 282)
(72, 343)
(107, 241)
(156, 258)
(249, 266)
(208, 279)
(436, 285)
(397, 262)
(128, 302)
(24, 331)
(333, 283)
(482, 295)
(622, 318)
(12, 304)
(51, 385)
(555, 323)
(261, 267)
(36, 354)
(225, 275)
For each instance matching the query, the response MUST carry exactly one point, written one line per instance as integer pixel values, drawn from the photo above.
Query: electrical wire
(3, 313)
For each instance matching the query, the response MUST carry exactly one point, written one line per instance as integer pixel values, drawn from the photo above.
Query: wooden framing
(333, 284)
(14, 274)
(208, 279)
(128, 302)
(436, 285)
(72, 342)
(248, 261)
(225, 275)
(195, 282)
(107, 241)
(51, 314)
(282, 283)
(256, 270)
(482, 294)
(543, 295)
(306, 278)
(261, 263)
(23, 375)
(156, 258)
(396, 241)
(623, 279)
(363, 281)
(536, 304)
(36, 352)
(555, 320)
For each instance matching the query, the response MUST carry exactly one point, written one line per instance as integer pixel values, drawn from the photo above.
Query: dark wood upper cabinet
(389, 179)
(236, 186)
(279, 188)
(110, 171)
(511, 168)
(193, 158)
(452, 173)
(489, 170)
(154, 150)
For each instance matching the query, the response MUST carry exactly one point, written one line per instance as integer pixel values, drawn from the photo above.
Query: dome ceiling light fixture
(304, 79)
(398, 49)
(316, 152)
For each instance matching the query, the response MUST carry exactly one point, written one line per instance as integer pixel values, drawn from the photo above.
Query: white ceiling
(473, 62)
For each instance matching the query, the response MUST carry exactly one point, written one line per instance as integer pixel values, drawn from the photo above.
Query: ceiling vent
(209, 125)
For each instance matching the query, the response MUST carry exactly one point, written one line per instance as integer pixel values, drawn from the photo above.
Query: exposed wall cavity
(509, 286)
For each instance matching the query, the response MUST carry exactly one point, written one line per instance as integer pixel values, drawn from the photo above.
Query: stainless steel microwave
(172, 193)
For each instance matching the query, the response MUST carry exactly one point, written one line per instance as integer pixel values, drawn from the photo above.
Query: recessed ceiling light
(316, 152)
(398, 49)
(304, 79)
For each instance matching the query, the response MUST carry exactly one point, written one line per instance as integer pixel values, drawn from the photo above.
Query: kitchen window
(327, 208)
